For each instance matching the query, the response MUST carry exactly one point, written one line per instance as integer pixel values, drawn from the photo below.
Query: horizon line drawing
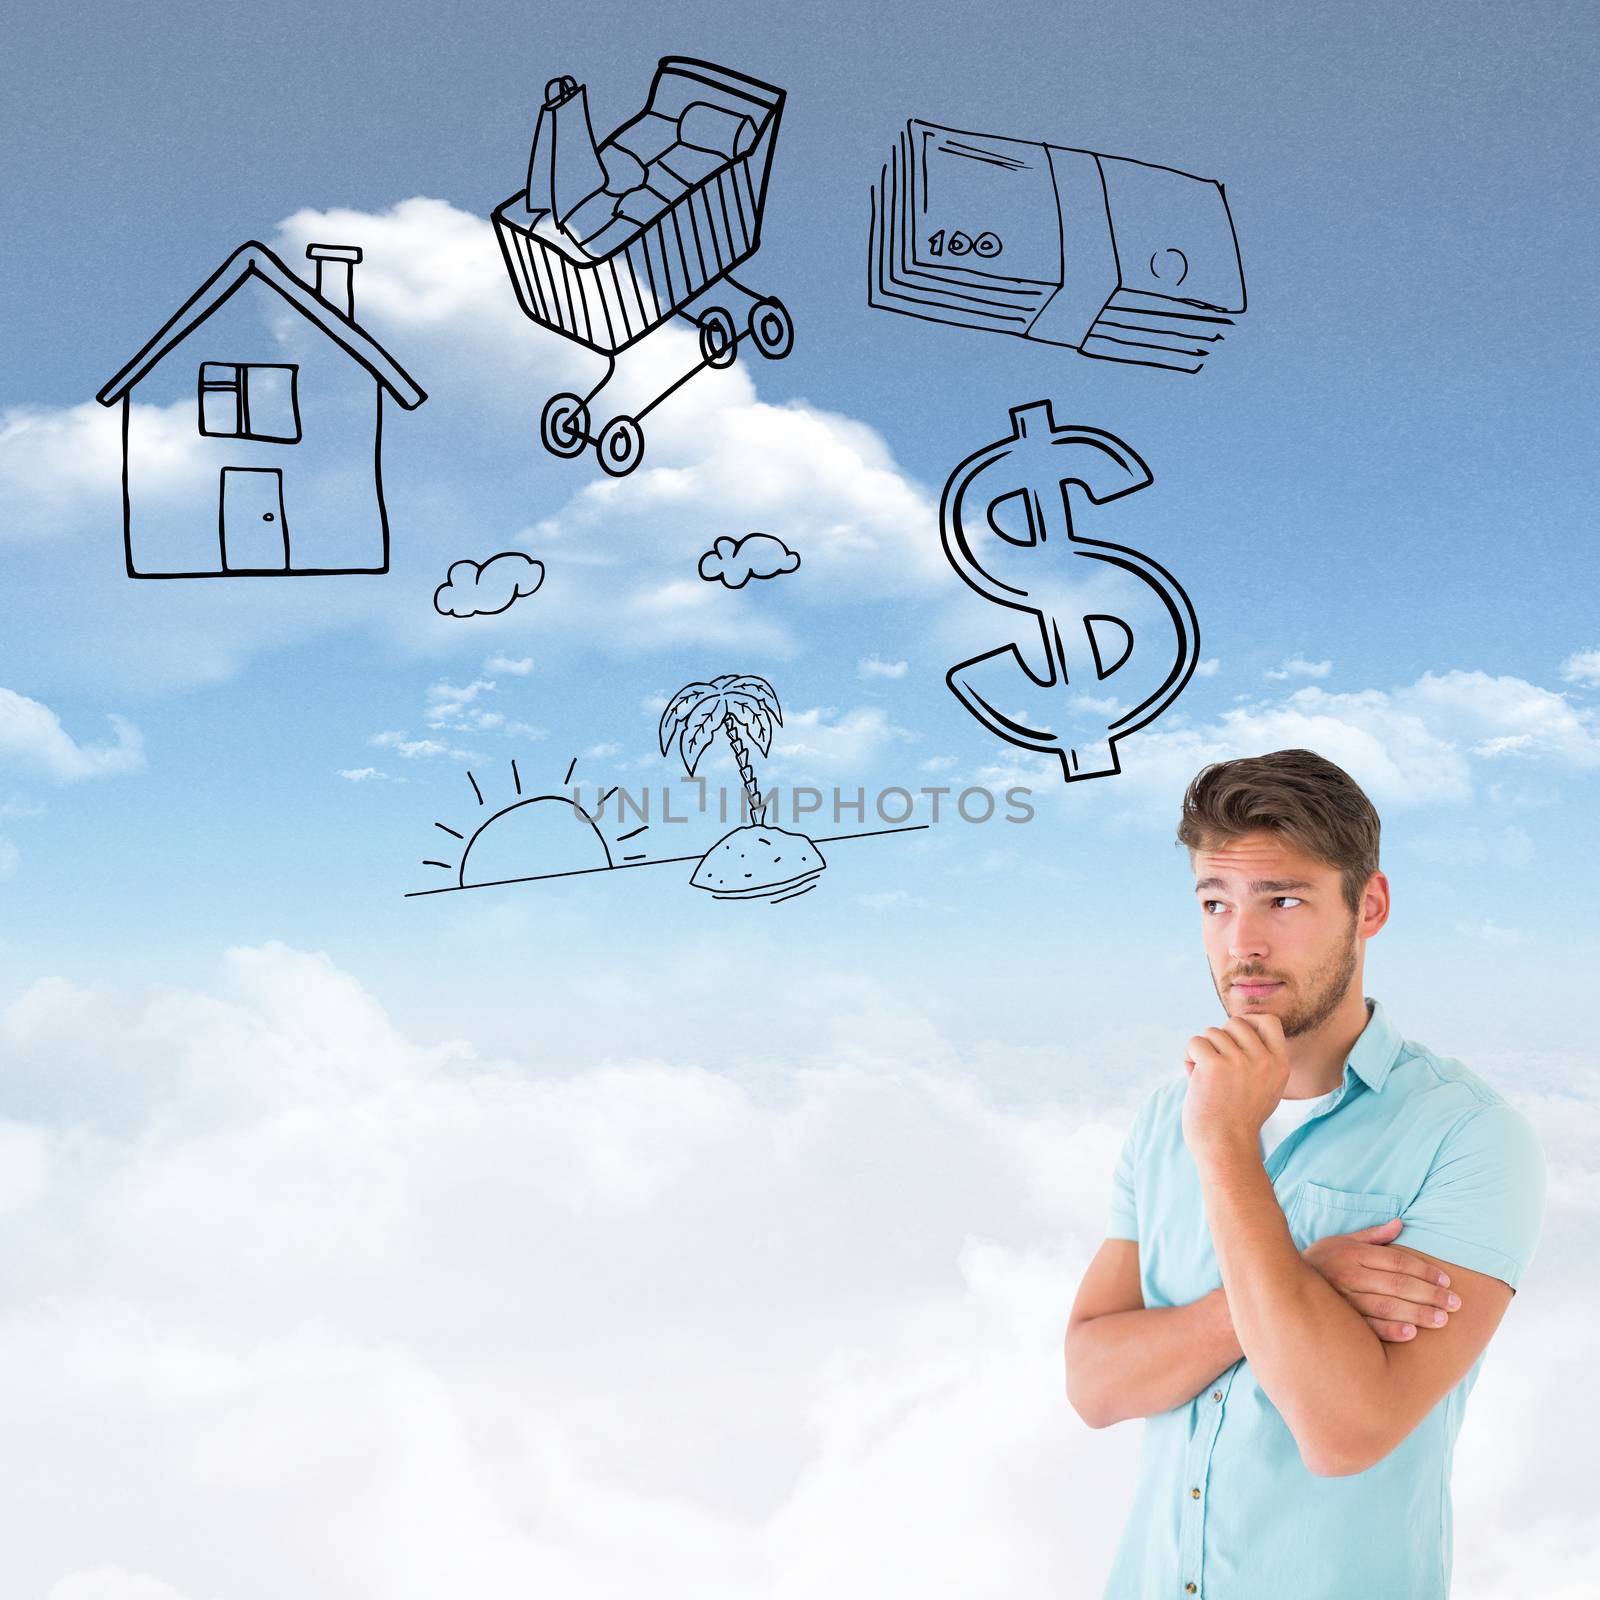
(750, 862)
(609, 240)
(1121, 260)
(282, 417)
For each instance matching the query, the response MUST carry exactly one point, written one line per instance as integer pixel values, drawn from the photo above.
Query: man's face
(1278, 935)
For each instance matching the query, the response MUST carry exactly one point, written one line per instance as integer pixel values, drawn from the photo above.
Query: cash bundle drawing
(487, 588)
(1007, 525)
(282, 475)
(610, 240)
(535, 837)
(1118, 259)
(734, 562)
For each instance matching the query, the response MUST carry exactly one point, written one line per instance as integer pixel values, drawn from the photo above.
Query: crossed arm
(1346, 1395)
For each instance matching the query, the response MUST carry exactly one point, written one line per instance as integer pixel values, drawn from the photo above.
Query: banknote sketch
(735, 562)
(1007, 523)
(284, 477)
(485, 589)
(550, 834)
(611, 239)
(1118, 259)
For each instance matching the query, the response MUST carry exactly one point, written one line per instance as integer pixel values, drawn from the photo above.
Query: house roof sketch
(255, 258)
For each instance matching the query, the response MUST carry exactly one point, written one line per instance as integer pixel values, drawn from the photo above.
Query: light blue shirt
(1225, 1509)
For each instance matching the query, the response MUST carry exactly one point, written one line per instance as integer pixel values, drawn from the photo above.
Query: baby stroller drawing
(610, 241)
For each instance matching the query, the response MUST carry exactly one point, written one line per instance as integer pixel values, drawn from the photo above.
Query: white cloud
(112, 1583)
(627, 550)
(1425, 743)
(1207, 668)
(476, 720)
(823, 736)
(1039, 775)
(872, 667)
(1508, 716)
(32, 736)
(416, 749)
(1107, 705)
(897, 900)
(680, 610)
(433, 280)
(54, 462)
(1490, 932)
(1582, 667)
(455, 708)
(389, 1318)
(1299, 667)
(62, 467)
(518, 667)
(366, 775)
(448, 696)
(826, 481)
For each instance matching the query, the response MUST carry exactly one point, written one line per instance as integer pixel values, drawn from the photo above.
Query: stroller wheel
(772, 328)
(719, 339)
(621, 446)
(564, 425)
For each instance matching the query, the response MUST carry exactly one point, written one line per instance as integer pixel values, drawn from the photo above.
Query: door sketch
(255, 536)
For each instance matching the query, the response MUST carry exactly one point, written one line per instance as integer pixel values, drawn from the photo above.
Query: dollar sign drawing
(1032, 568)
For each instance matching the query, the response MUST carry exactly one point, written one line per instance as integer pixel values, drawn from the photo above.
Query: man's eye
(1287, 900)
(1206, 905)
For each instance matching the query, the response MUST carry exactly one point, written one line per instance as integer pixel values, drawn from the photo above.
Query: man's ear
(1374, 905)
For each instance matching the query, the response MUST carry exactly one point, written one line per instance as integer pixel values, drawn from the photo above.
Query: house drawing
(252, 427)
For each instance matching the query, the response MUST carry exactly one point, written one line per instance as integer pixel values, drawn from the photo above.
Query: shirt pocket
(1316, 1210)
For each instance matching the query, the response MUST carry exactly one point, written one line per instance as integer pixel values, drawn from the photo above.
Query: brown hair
(1313, 804)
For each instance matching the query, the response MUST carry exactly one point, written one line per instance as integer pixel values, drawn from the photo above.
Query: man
(1314, 1232)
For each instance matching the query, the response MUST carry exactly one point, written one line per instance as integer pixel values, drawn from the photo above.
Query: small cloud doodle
(735, 562)
(474, 589)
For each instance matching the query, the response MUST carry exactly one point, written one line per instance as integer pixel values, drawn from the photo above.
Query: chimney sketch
(335, 265)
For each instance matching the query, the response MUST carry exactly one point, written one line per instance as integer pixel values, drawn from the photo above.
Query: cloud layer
(387, 1318)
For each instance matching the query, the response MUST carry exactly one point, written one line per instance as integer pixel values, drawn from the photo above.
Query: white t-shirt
(1287, 1117)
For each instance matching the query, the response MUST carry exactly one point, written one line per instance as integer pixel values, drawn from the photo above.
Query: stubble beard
(1326, 988)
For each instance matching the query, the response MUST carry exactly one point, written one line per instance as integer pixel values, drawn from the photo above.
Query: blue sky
(1384, 468)
(1379, 496)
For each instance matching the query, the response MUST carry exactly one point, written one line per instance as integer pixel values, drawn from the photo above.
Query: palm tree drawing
(742, 706)
(757, 861)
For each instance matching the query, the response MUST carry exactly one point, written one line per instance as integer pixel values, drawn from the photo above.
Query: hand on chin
(1237, 1074)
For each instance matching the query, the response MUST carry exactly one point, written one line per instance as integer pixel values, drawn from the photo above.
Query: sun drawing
(534, 836)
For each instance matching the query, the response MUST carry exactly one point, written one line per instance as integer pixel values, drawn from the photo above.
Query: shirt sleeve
(1482, 1204)
(1122, 1216)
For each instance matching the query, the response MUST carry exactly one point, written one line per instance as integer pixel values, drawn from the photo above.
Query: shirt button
(1216, 1394)
(1194, 1494)
(1189, 1588)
